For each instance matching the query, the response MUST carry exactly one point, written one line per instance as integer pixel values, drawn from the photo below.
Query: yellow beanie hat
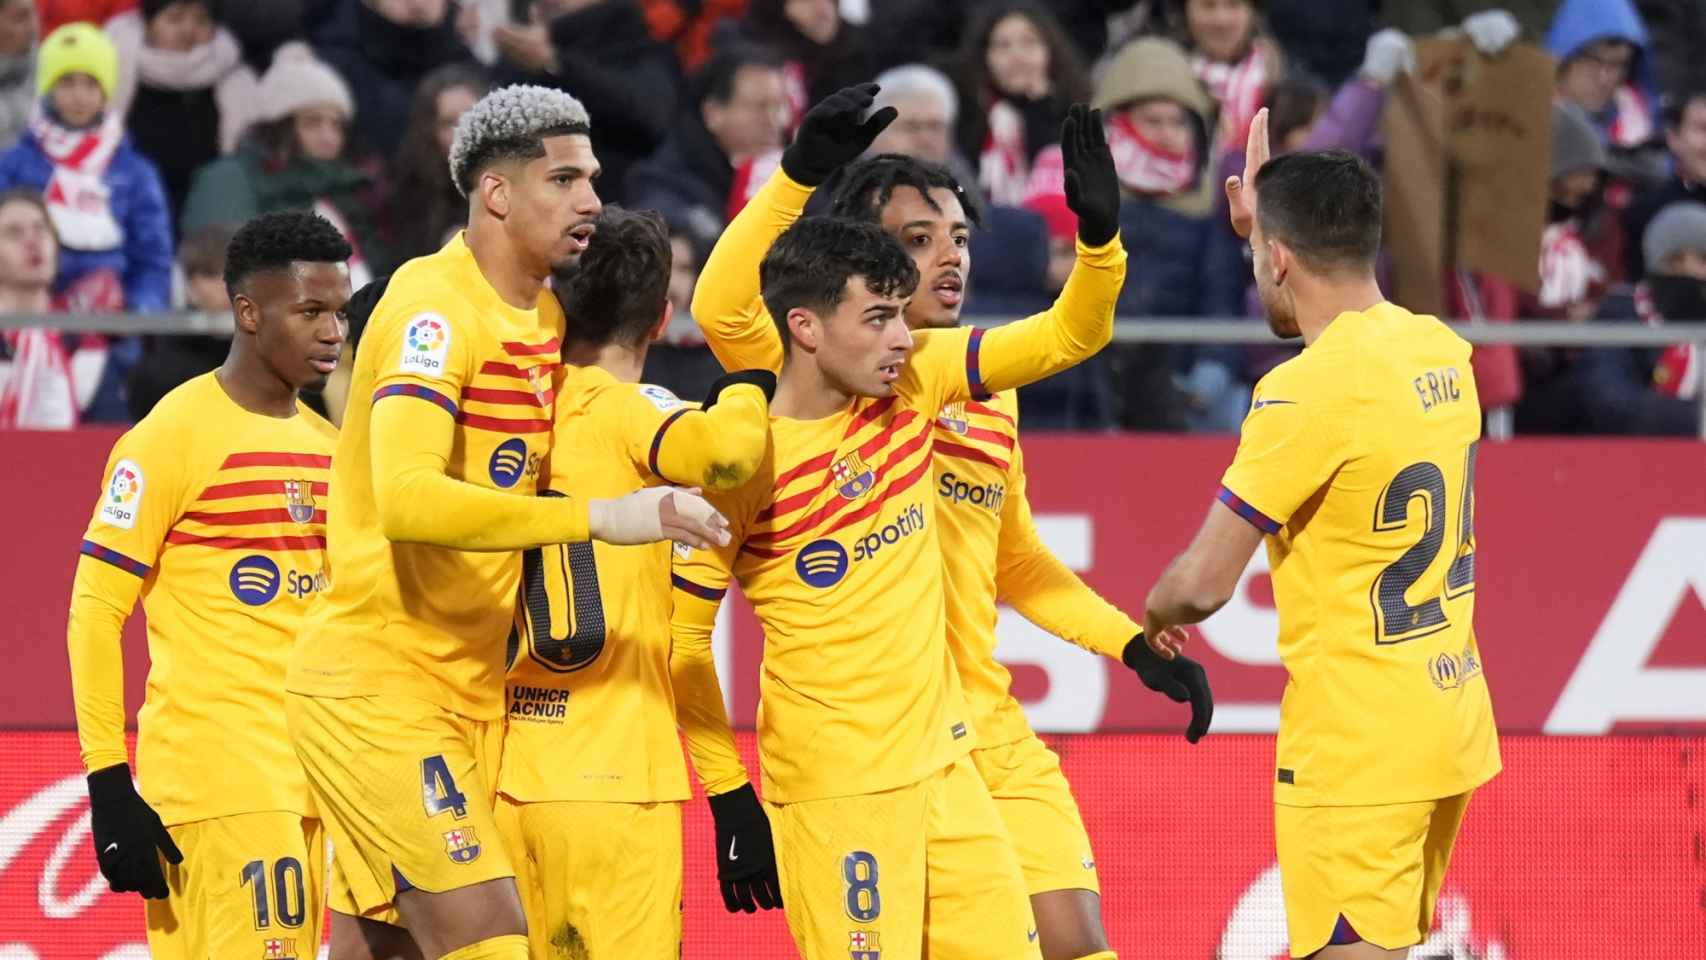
(77, 48)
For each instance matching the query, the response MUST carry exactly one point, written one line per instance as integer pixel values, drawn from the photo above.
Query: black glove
(831, 135)
(129, 836)
(762, 379)
(1180, 678)
(1092, 187)
(746, 859)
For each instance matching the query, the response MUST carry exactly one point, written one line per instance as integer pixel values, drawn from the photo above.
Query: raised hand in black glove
(831, 134)
(1181, 679)
(1092, 187)
(746, 859)
(762, 379)
(129, 836)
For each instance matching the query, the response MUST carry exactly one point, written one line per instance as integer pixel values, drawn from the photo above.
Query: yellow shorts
(403, 788)
(597, 879)
(1035, 801)
(861, 875)
(1378, 867)
(251, 885)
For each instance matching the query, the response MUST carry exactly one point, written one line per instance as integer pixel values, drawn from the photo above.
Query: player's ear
(248, 313)
(805, 327)
(1280, 259)
(494, 192)
(663, 321)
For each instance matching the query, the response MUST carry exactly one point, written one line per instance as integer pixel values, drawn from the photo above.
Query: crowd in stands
(135, 135)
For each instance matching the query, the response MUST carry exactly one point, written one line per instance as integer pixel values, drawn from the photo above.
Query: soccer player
(880, 818)
(396, 684)
(989, 542)
(214, 513)
(592, 781)
(1357, 463)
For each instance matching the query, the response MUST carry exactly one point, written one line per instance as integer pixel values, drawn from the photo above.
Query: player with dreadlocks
(987, 534)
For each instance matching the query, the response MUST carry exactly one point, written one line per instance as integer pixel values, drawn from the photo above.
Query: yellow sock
(512, 947)
(1101, 955)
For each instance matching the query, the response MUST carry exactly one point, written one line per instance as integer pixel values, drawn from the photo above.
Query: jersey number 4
(1396, 619)
(562, 611)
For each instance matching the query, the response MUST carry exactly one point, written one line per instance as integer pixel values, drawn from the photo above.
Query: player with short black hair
(978, 471)
(592, 782)
(1357, 465)
(879, 812)
(213, 515)
(395, 688)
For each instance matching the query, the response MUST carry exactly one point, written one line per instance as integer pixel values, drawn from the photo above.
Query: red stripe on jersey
(823, 514)
(820, 462)
(968, 453)
(248, 543)
(989, 411)
(796, 501)
(989, 436)
(895, 489)
(520, 398)
(251, 488)
(275, 460)
(868, 414)
(501, 425)
(238, 518)
(515, 349)
(498, 369)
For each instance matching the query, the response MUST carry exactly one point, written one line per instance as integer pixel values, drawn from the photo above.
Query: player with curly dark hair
(213, 514)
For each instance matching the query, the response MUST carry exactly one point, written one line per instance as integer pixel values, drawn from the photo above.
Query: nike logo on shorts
(733, 856)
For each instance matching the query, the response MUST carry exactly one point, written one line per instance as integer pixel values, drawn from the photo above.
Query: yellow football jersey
(411, 618)
(591, 713)
(218, 516)
(1358, 461)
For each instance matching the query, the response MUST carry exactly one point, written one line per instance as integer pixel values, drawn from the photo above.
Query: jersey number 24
(1423, 485)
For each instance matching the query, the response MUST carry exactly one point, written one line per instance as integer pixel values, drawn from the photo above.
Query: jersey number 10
(1396, 619)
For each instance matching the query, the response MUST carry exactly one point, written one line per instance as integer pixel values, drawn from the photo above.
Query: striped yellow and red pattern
(260, 500)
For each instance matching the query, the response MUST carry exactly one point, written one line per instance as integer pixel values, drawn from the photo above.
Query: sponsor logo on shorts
(538, 703)
(863, 945)
(124, 495)
(989, 496)
(462, 845)
(426, 345)
(1449, 672)
(509, 461)
(278, 948)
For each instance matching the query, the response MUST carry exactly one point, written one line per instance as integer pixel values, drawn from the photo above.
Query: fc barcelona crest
(540, 380)
(852, 478)
(299, 499)
(279, 948)
(953, 417)
(462, 845)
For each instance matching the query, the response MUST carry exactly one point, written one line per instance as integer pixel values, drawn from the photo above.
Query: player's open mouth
(891, 372)
(582, 235)
(949, 289)
(325, 365)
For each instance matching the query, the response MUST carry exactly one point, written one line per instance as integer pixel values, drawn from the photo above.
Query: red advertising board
(1584, 848)
(1592, 567)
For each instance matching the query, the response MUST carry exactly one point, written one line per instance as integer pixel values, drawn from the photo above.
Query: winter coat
(687, 180)
(246, 184)
(17, 96)
(627, 81)
(1616, 383)
(1639, 214)
(143, 262)
(383, 63)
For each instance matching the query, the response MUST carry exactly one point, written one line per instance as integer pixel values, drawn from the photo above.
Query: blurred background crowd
(135, 136)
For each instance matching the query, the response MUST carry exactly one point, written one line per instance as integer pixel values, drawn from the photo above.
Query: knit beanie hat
(77, 48)
(1575, 143)
(298, 79)
(1678, 227)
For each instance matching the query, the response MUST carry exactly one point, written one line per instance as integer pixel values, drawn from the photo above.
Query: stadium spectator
(929, 109)
(261, 28)
(425, 208)
(1603, 67)
(1018, 74)
(170, 360)
(601, 52)
(384, 48)
(183, 87)
(1325, 39)
(17, 67)
(687, 26)
(723, 145)
(293, 158)
(820, 53)
(1685, 136)
(57, 13)
(1580, 251)
(1232, 55)
(45, 378)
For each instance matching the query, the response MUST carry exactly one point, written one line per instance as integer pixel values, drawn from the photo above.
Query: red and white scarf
(1632, 125)
(1143, 168)
(1237, 87)
(36, 387)
(1567, 270)
(1677, 373)
(1003, 166)
(750, 175)
(78, 201)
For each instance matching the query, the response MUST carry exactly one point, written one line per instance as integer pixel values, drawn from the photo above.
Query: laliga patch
(660, 397)
(426, 345)
(124, 495)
